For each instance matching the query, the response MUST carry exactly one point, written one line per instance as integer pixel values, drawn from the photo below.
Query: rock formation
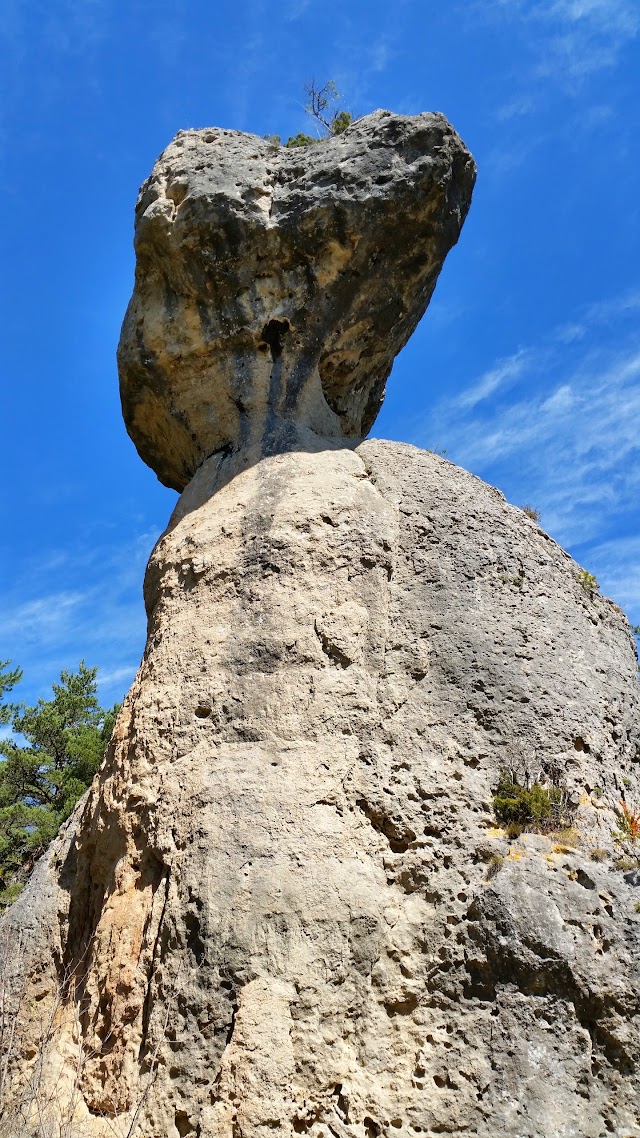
(285, 905)
(274, 287)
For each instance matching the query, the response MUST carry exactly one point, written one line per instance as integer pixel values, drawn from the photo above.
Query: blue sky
(526, 368)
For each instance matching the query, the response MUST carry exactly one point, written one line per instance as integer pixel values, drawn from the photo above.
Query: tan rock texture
(274, 287)
(277, 905)
(284, 906)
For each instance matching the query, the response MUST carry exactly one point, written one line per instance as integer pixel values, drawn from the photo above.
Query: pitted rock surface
(276, 901)
(284, 906)
(274, 287)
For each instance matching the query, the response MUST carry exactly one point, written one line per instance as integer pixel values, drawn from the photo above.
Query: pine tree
(46, 771)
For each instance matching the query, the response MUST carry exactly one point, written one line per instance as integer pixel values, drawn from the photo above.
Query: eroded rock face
(278, 901)
(274, 287)
(284, 905)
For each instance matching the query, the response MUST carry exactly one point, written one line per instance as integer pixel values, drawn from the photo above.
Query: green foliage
(494, 866)
(318, 107)
(533, 807)
(319, 104)
(300, 140)
(46, 769)
(340, 122)
(628, 823)
(8, 680)
(10, 894)
(588, 581)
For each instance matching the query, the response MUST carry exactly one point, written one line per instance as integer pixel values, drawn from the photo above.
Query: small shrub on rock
(589, 582)
(628, 823)
(519, 807)
(494, 866)
(300, 139)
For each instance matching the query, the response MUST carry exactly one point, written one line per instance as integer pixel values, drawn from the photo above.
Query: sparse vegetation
(532, 513)
(598, 854)
(45, 770)
(628, 823)
(520, 807)
(330, 122)
(567, 838)
(300, 139)
(42, 1105)
(319, 104)
(588, 581)
(494, 866)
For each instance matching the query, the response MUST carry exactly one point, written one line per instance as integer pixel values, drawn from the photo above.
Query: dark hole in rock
(272, 334)
(203, 711)
(182, 1124)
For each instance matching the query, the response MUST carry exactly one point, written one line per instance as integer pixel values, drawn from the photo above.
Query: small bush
(588, 581)
(532, 513)
(319, 107)
(10, 894)
(513, 830)
(519, 807)
(628, 823)
(626, 863)
(341, 121)
(300, 139)
(494, 866)
(598, 854)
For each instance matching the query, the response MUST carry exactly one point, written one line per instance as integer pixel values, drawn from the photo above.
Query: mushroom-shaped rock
(275, 286)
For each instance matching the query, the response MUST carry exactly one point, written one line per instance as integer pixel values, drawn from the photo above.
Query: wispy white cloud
(564, 45)
(558, 424)
(573, 38)
(515, 108)
(295, 9)
(617, 566)
(46, 628)
(381, 53)
(116, 677)
(501, 376)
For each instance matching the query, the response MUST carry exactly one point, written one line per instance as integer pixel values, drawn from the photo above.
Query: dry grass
(35, 1103)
